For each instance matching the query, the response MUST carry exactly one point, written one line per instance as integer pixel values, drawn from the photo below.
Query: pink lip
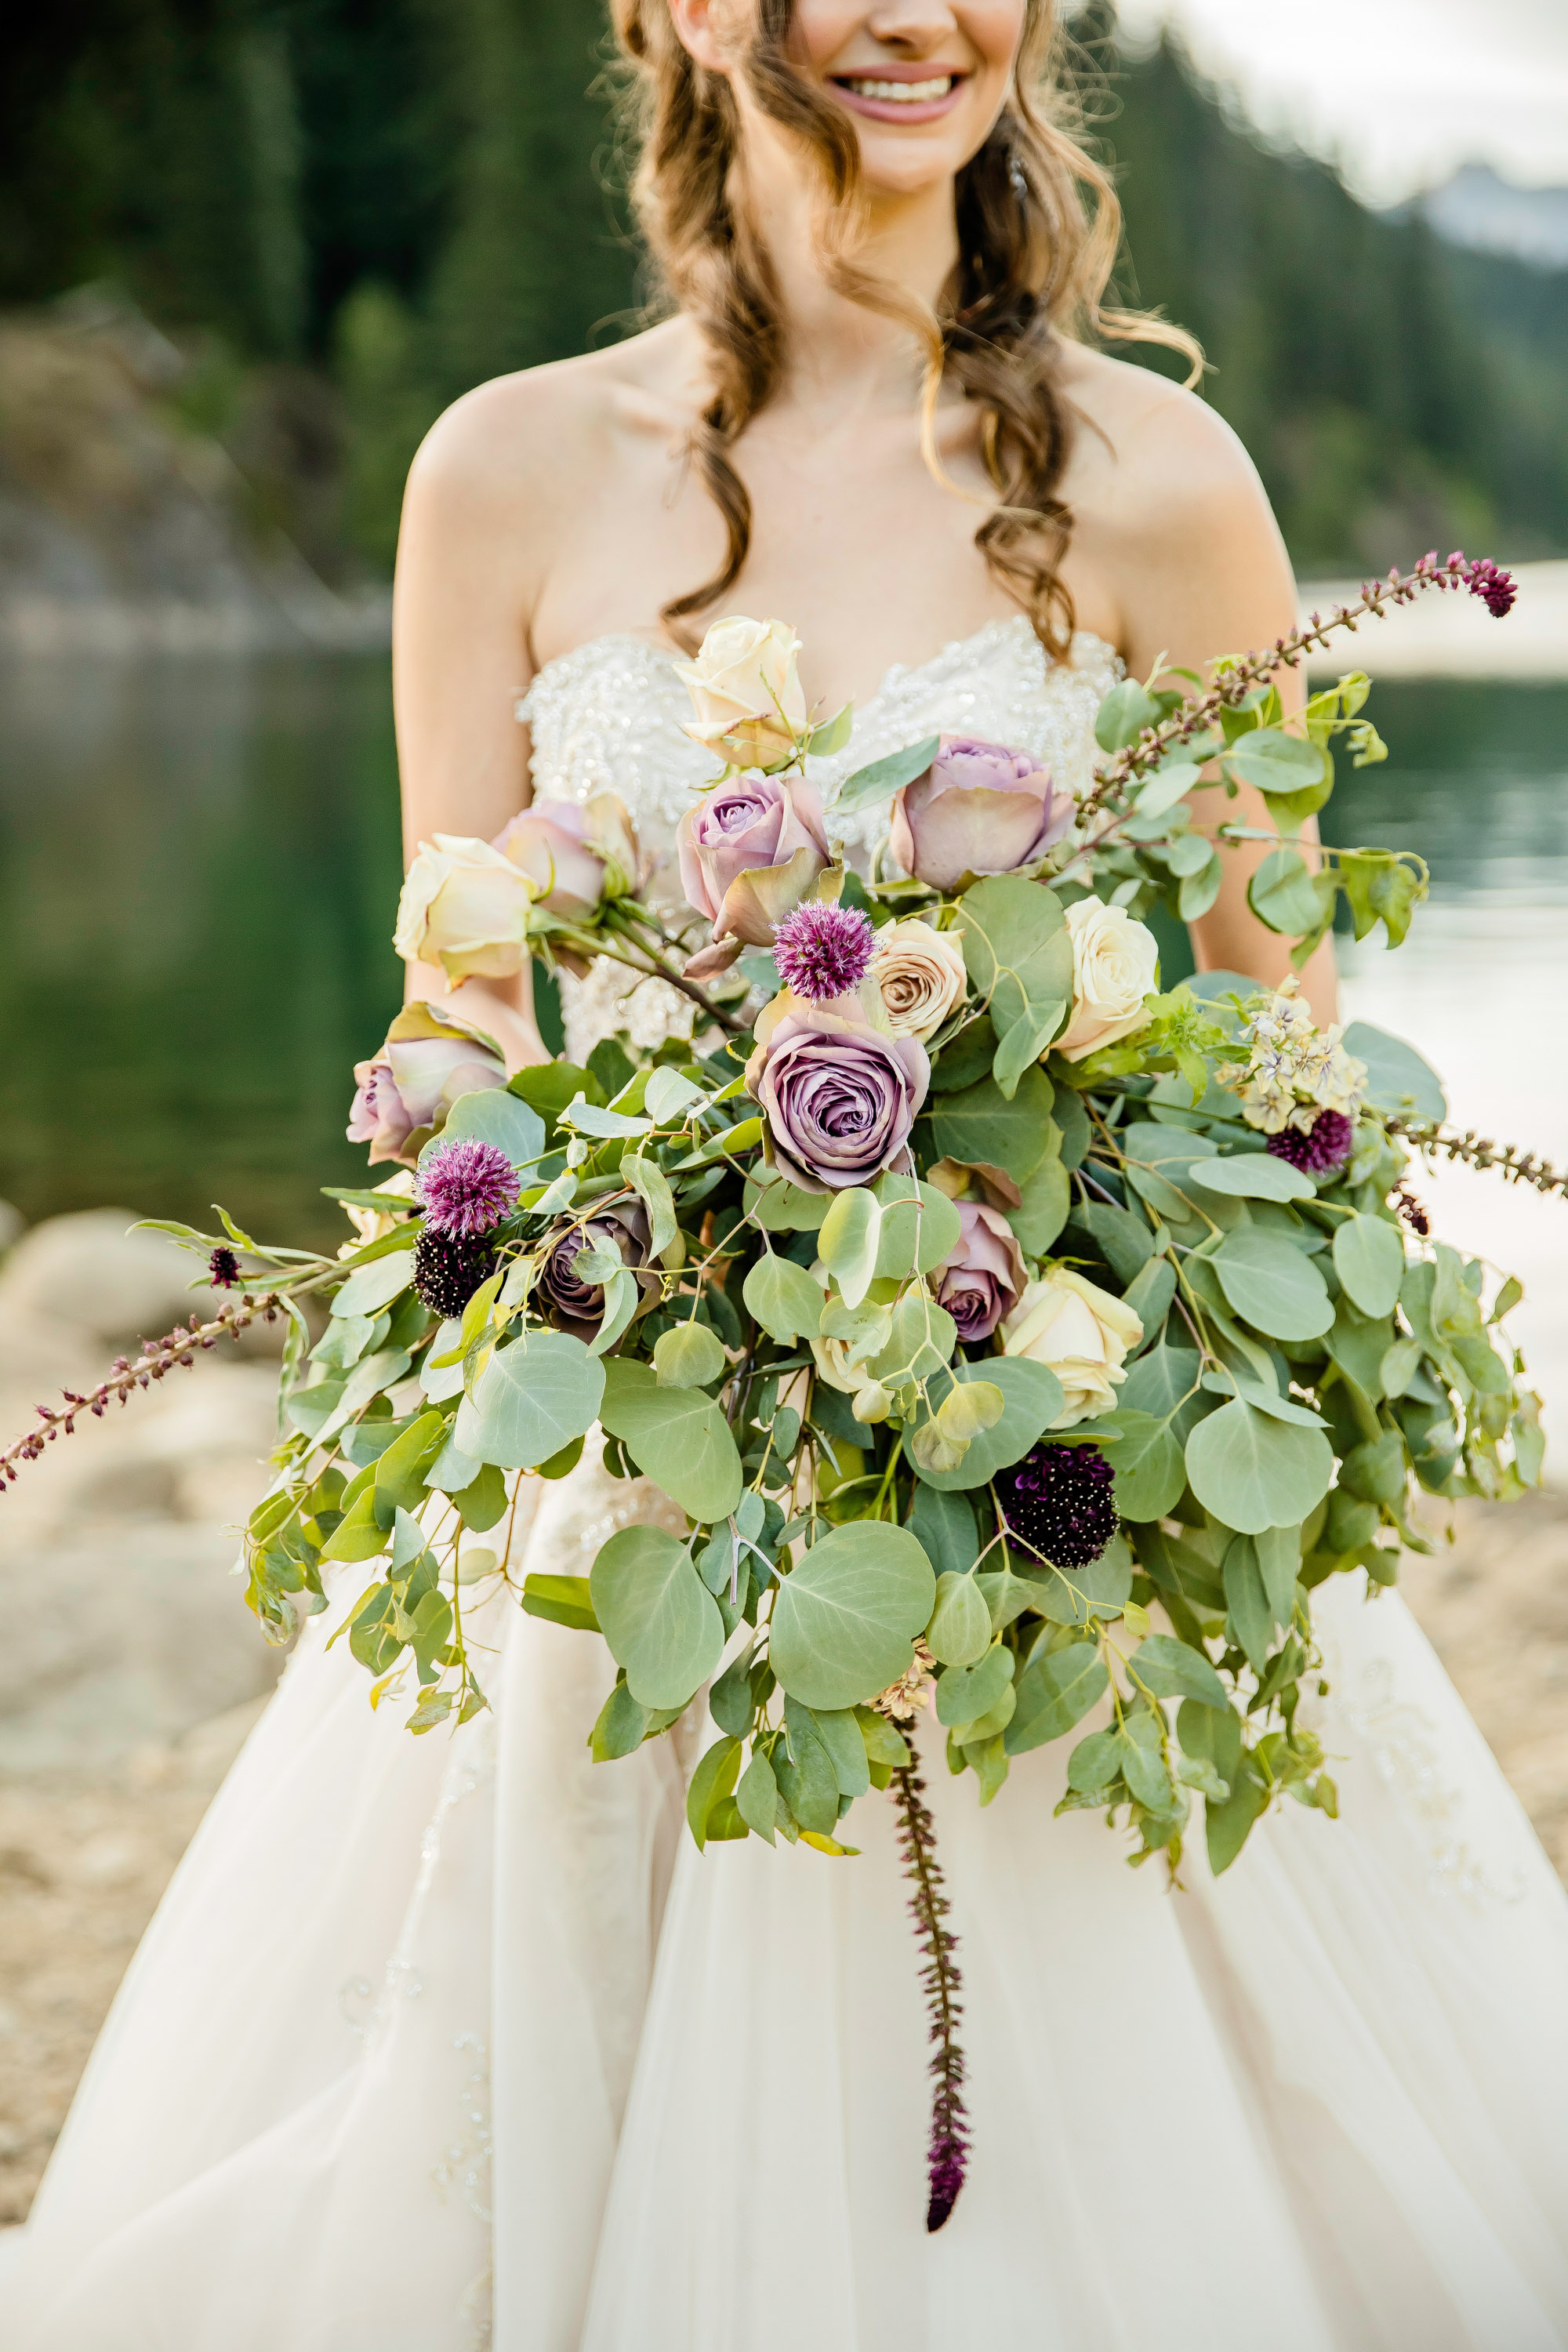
(888, 110)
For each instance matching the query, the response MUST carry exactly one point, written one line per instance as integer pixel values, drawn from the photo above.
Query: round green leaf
(1397, 1077)
(1369, 1258)
(1054, 1693)
(960, 1629)
(1275, 761)
(1174, 1669)
(660, 1619)
(847, 1242)
(1147, 1459)
(494, 1115)
(921, 1227)
(1254, 1471)
(783, 1298)
(983, 1128)
(1272, 1287)
(1031, 1399)
(845, 1619)
(1252, 1176)
(967, 1693)
(677, 1437)
(532, 1398)
(371, 1288)
(688, 1356)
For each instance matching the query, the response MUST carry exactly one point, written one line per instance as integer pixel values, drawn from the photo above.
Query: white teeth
(904, 93)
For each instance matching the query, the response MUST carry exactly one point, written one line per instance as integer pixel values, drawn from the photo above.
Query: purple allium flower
(224, 1267)
(823, 951)
(1325, 1145)
(467, 1187)
(1496, 588)
(448, 1270)
(1058, 1502)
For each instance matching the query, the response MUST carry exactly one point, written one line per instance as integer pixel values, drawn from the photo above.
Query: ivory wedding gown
(458, 2041)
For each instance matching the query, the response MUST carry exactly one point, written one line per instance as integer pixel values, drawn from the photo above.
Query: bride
(458, 2041)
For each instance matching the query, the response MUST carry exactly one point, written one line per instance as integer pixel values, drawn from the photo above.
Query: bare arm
(469, 560)
(1178, 525)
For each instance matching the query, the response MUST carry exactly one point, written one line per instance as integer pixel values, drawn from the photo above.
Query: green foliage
(845, 1617)
(661, 1624)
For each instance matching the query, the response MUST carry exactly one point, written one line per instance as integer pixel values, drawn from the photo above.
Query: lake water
(199, 862)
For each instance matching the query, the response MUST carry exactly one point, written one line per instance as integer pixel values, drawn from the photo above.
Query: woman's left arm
(1174, 519)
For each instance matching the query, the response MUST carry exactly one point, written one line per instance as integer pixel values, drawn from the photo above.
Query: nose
(915, 25)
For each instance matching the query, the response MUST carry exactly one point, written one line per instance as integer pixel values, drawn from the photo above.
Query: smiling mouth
(896, 93)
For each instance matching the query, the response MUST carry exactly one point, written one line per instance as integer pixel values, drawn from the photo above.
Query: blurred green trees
(406, 196)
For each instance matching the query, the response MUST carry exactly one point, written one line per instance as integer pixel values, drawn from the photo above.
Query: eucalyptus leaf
(885, 777)
(1018, 950)
(1271, 1285)
(494, 1115)
(783, 1298)
(1056, 1690)
(1398, 1078)
(1369, 1258)
(534, 1397)
(921, 1227)
(1254, 1472)
(983, 1127)
(1172, 1669)
(651, 1185)
(677, 1437)
(967, 1693)
(660, 1621)
(845, 1619)
(1276, 763)
(1150, 1468)
(1031, 1401)
(960, 1628)
(371, 1288)
(848, 1239)
(1252, 1176)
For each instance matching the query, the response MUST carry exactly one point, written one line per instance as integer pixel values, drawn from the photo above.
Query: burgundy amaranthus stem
(1480, 576)
(949, 2153)
(161, 1356)
(1478, 1151)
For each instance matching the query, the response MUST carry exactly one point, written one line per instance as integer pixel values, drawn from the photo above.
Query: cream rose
(842, 1362)
(1113, 965)
(465, 907)
(1080, 1333)
(918, 974)
(745, 692)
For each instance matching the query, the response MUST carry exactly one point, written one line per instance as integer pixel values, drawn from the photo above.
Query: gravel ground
(83, 1861)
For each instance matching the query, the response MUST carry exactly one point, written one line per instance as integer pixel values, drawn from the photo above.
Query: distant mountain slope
(1479, 209)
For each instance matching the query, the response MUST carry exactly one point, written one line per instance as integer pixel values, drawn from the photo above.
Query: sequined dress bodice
(608, 717)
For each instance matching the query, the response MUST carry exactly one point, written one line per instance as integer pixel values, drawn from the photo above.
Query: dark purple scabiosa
(449, 1269)
(224, 1267)
(467, 1187)
(823, 951)
(1059, 1503)
(1496, 588)
(1315, 1149)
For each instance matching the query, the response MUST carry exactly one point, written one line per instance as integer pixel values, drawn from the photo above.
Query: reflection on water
(198, 865)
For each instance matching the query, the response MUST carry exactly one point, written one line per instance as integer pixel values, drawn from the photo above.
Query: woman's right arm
(475, 536)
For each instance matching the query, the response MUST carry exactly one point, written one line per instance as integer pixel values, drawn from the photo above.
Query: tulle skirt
(457, 2041)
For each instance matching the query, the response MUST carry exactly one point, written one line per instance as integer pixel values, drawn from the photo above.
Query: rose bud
(839, 1098)
(574, 855)
(983, 1279)
(1081, 1333)
(1114, 962)
(465, 907)
(575, 1305)
(978, 809)
(750, 851)
(406, 1089)
(919, 976)
(745, 692)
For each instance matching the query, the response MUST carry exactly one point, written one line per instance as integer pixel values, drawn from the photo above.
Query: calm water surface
(199, 863)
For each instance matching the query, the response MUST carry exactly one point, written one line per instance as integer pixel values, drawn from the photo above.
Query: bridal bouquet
(1011, 1337)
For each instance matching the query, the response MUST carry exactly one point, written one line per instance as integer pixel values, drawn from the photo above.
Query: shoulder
(1147, 450)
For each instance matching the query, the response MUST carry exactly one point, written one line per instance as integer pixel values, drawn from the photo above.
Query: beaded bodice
(608, 717)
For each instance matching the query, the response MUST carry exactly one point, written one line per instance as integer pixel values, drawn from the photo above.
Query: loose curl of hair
(1039, 232)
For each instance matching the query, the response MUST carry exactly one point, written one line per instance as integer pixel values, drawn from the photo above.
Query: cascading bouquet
(1016, 1338)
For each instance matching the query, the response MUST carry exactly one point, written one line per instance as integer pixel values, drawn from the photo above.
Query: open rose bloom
(919, 976)
(1081, 1333)
(750, 851)
(746, 693)
(838, 1098)
(1115, 962)
(574, 855)
(465, 907)
(405, 1090)
(983, 1279)
(978, 809)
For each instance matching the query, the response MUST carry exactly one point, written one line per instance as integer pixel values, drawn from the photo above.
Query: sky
(1399, 92)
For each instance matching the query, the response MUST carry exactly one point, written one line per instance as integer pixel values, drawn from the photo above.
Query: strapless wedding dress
(454, 2042)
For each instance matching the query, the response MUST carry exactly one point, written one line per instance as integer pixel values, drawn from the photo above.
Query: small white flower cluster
(1294, 1069)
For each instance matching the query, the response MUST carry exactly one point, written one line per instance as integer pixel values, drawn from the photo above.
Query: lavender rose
(405, 1090)
(838, 1098)
(983, 1279)
(978, 809)
(574, 855)
(750, 851)
(576, 1305)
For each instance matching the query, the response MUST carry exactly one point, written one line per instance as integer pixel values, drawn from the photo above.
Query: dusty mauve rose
(1081, 1332)
(978, 809)
(983, 1279)
(750, 851)
(838, 1098)
(577, 1305)
(573, 855)
(918, 975)
(406, 1089)
(743, 687)
(1114, 960)
(465, 907)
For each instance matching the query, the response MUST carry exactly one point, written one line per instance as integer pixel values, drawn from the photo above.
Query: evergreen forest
(343, 212)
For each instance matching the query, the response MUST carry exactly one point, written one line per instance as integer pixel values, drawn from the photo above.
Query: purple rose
(983, 1279)
(839, 1099)
(576, 1305)
(750, 851)
(405, 1090)
(978, 809)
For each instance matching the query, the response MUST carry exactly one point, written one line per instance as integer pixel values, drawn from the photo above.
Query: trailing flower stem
(949, 2152)
(1479, 1151)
